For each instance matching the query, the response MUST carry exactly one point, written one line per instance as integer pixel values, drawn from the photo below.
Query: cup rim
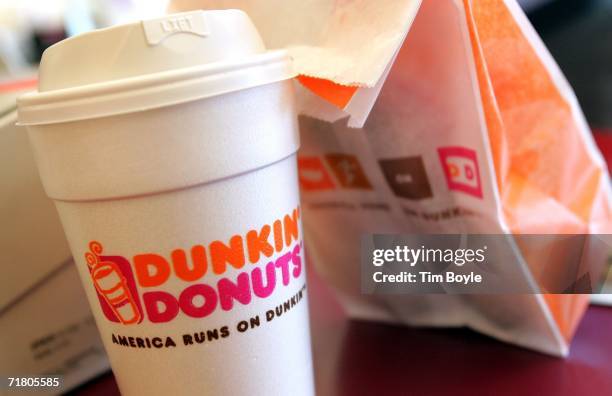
(153, 90)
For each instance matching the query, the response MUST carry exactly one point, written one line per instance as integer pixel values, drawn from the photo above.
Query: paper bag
(472, 88)
(341, 49)
(473, 130)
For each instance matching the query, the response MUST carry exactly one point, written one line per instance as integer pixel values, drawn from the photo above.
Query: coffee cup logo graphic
(348, 171)
(461, 170)
(114, 282)
(407, 177)
(313, 176)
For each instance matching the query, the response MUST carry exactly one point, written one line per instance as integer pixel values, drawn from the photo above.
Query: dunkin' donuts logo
(461, 170)
(131, 291)
(314, 176)
(407, 177)
(348, 171)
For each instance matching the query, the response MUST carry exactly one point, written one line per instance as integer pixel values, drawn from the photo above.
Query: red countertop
(364, 358)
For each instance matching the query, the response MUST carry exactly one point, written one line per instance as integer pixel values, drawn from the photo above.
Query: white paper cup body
(157, 183)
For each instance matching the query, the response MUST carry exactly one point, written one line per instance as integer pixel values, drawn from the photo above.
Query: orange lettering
(291, 227)
(221, 254)
(278, 235)
(198, 257)
(143, 262)
(257, 243)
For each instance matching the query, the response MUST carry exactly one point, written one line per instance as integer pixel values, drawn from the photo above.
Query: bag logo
(407, 177)
(460, 167)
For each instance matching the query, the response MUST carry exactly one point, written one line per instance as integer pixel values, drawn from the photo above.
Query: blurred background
(28, 27)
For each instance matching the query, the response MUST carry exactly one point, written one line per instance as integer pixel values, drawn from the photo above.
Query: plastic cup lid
(149, 64)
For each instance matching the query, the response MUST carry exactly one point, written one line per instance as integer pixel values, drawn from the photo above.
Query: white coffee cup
(168, 147)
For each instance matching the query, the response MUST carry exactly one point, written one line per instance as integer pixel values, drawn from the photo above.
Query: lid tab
(156, 30)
